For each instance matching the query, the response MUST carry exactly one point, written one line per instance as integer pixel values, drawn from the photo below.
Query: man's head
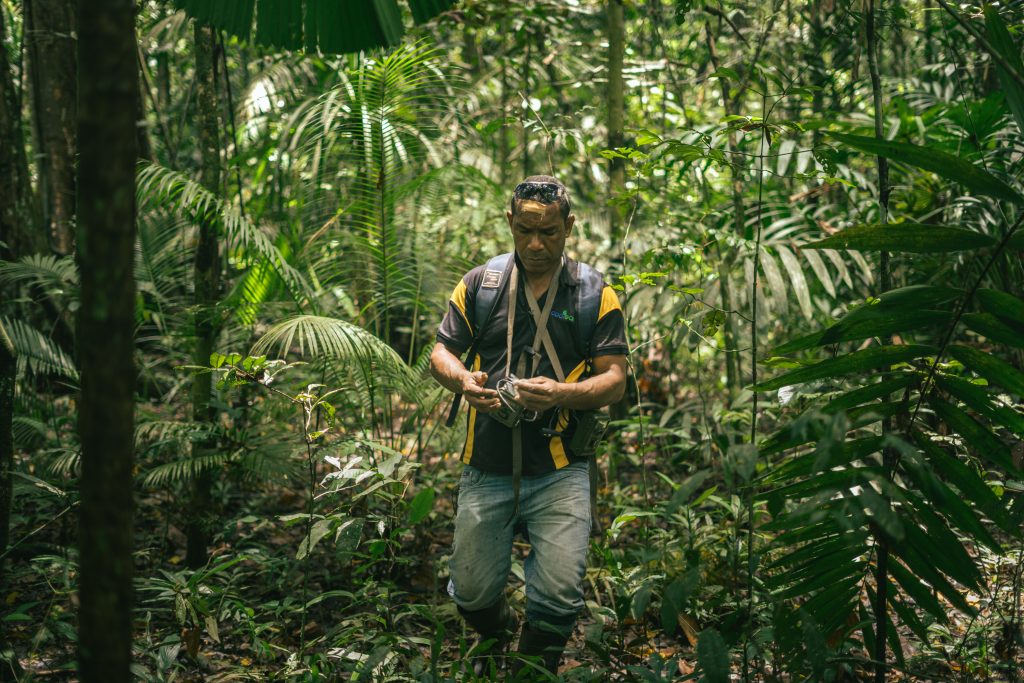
(540, 219)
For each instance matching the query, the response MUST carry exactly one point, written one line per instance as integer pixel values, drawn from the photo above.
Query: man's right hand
(483, 399)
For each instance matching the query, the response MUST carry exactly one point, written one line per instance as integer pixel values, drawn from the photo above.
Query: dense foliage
(811, 210)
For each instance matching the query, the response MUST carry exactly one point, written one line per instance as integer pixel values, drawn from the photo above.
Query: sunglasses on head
(545, 192)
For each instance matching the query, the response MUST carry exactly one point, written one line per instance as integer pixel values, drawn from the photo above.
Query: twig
(36, 531)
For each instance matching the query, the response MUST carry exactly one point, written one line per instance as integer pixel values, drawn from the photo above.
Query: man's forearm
(594, 392)
(447, 369)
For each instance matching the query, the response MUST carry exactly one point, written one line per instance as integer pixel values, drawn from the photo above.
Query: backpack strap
(486, 299)
(588, 306)
(488, 293)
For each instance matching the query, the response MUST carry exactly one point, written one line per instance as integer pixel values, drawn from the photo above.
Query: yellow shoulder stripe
(459, 299)
(609, 302)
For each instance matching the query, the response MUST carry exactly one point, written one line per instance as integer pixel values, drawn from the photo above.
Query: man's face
(539, 234)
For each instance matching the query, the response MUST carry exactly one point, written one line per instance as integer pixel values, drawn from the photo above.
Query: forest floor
(241, 617)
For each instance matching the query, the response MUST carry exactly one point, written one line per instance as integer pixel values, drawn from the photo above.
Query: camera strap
(541, 337)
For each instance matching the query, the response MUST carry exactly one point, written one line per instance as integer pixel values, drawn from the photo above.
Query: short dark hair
(563, 198)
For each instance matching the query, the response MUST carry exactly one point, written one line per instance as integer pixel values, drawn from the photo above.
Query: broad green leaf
(713, 656)
(858, 361)
(882, 513)
(1002, 41)
(918, 592)
(872, 392)
(866, 635)
(1001, 304)
(882, 323)
(943, 550)
(943, 499)
(796, 276)
(808, 341)
(813, 553)
(909, 618)
(982, 441)
(946, 165)
(892, 636)
(869, 320)
(685, 490)
(320, 528)
(776, 284)
(914, 238)
(814, 640)
(818, 266)
(824, 571)
(978, 399)
(925, 569)
(995, 329)
(804, 465)
(996, 371)
(421, 505)
(899, 310)
(825, 481)
(965, 480)
(832, 606)
(937, 535)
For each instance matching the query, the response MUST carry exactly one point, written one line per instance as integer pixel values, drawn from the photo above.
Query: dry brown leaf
(690, 628)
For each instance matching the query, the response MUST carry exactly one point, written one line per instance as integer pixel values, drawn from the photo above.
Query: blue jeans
(555, 509)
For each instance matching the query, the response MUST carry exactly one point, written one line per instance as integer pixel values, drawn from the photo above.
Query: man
(527, 476)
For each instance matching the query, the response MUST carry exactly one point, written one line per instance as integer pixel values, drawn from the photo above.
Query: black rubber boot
(498, 623)
(543, 647)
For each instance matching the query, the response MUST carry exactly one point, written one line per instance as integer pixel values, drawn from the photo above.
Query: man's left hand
(540, 393)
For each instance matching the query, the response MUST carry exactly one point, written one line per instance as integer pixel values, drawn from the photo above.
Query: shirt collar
(569, 276)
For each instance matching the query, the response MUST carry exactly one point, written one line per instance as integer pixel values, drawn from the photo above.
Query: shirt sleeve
(456, 330)
(610, 332)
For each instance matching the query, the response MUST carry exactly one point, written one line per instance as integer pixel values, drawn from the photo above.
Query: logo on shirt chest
(563, 315)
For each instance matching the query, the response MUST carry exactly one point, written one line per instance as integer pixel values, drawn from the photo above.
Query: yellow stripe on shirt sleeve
(459, 299)
(609, 302)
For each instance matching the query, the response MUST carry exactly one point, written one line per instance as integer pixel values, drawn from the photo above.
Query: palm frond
(157, 433)
(184, 469)
(322, 338)
(29, 433)
(171, 189)
(63, 462)
(37, 353)
(54, 274)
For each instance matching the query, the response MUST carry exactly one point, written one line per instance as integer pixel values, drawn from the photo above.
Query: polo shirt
(488, 442)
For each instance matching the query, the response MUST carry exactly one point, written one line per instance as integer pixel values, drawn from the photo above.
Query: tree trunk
(142, 129)
(9, 669)
(51, 27)
(726, 260)
(8, 358)
(109, 84)
(616, 115)
(207, 285)
(888, 456)
(16, 224)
